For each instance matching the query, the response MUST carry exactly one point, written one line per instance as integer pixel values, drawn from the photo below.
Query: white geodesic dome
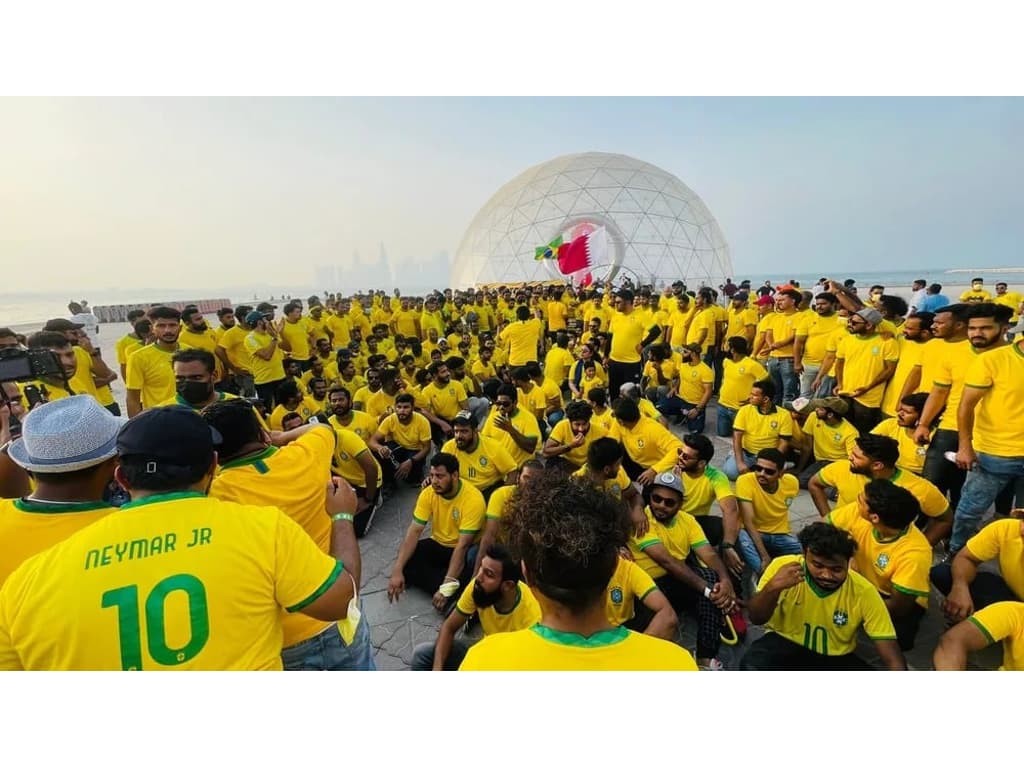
(658, 229)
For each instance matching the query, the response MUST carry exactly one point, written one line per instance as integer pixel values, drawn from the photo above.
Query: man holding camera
(267, 357)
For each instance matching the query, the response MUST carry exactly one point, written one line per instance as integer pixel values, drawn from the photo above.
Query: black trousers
(775, 652)
(863, 418)
(400, 455)
(987, 587)
(907, 625)
(267, 393)
(428, 566)
(938, 470)
(621, 373)
(685, 599)
(713, 527)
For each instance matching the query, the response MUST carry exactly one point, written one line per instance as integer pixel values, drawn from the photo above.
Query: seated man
(571, 438)
(764, 496)
(603, 470)
(902, 429)
(650, 447)
(812, 606)
(830, 437)
(442, 562)
(483, 462)
(499, 501)
(703, 484)
(874, 458)
(497, 596)
(992, 624)
(689, 392)
(568, 536)
(353, 461)
(891, 553)
(676, 554)
(515, 428)
(403, 441)
(968, 589)
(758, 424)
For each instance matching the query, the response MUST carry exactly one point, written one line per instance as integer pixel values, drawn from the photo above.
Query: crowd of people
(566, 499)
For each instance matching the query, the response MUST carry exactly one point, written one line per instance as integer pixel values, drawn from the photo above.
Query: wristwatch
(727, 545)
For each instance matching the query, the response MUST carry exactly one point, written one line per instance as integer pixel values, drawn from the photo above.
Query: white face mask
(347, 627)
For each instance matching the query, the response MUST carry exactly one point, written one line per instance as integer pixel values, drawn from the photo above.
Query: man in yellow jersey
(92, 375)
(940, 373)
(56, 387)
(150, 378)
(497, 595)
(813, 605)
(967, 587)
(603, 470)
(704, 485)
(522, 338)
(197, 334)
(874, 457)
(571, 438)
(765, 495)
(226, 320)
(442, 562)
(741, 319)
(441, 400)
(688, 396)
(650, 447)
(780, 336)
(1012, 299)
(703, 328)
(914, 334)
(231, 344)
(405, 322)
(159, 584)
(902, 429)
(568, 536)
(865, 362)
(292, 474)
(557, 315)
(70, 447)
(296, 337)
(263, 346)
(403, 442)
(999, 622)
(559, 359)
(344, 416)
(830, 437)
(430, 316)
(758, 424)
(497, 504)
(131, 340)
(990, 423)
(812, 335)
(675, 553)
(515, 429)
(892, 553)
(739, 372)
(976, 294)
(483, 462)
(628, 338)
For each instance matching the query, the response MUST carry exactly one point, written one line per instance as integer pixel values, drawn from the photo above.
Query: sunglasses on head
(667, 501)
(764, 470)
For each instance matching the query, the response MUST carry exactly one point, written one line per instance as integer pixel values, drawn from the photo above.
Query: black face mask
(195, 392)
(484, 599)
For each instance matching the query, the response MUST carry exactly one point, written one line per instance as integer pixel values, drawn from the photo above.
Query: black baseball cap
(60, 325)
(174, 435)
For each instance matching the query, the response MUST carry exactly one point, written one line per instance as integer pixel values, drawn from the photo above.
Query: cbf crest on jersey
(616, 595)
(840, 618)
(882, 561)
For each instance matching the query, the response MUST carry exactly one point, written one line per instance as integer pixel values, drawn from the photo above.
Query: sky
(234, 195)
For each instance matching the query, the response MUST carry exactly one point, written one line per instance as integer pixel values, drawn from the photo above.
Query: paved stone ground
(398, 627)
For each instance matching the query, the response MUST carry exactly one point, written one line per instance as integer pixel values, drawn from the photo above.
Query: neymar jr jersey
(459, 513)
(827, 622)
(543, 649)
(523, 615)
(172, 581)
(28, 527)
(680, 536)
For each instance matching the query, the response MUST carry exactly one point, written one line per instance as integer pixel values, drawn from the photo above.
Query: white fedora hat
(66, 435)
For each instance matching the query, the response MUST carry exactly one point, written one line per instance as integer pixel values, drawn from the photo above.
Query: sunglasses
(668, 502)
(764, 470)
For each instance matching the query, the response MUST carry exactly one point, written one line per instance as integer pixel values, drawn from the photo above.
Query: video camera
(29, 364)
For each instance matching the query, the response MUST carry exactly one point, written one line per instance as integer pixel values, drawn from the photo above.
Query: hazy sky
(232, 193)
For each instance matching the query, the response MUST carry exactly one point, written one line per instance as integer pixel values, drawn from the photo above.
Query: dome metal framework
(658, 228)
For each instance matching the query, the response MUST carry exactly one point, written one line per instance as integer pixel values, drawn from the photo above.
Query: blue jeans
(730, 468)
(328, 651)
(726, 416)
(555, 417)
(423, 656)
(986, 481)
(775, 543)
(676, 406)
(787, 383)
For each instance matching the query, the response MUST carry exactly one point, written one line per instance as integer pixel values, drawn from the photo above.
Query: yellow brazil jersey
(379, 404)
(864, 358)
(613, 486)
(525, 422)
(849, 485)
(627, 333)
(125, 346)
(341, 327)
(264, 371)
(650, 445)
(557, 363)
(405, 321)
(557, 314)
(978, 296)
(679, 323)
(277, 415)
(524, 614)
(827, 622)
(521, 339)
(1004, 622)
(816, 330)
(562, 434)
(999, 417)
(602, 314)
(347, 451)
(459, 513)
(738, 377)
(692, 381)
(911, 454)
(771, 510)
(901, 563)
(172, 581)
(205, 339)
(910, 356)
(661, 373)
(484, 371)
(444, 400)
(150, 371)
(1013, 300)
(411, 436)
(28, 527)
(887, 329)
(950, 372)
(233, 342)
(359, 422)
(353, 385)
(931, 356)
(297, 337)
(318, 327)
(680, 536)
(543, 649)
(1003, 541)
(739, 321)
(82, 382)
(830, 443)
(294, 479)
(485, 465)
(784, 328)
(629, 583)
(762, 430)
(498, 502)
(702, 328)
(699, 492)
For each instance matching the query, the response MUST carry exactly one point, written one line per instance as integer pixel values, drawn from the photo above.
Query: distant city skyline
(145, 193)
